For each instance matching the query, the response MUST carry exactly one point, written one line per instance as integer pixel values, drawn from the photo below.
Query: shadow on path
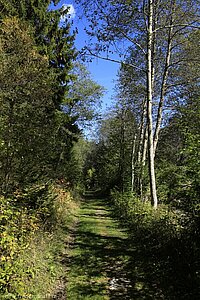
(103, 263)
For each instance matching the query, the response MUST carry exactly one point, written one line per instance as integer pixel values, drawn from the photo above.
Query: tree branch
(132, 41)
(177, 25)
(114, 60)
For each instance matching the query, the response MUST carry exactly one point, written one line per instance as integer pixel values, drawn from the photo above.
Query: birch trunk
(133, 162)
(143, 162)
(142, 129)
(121, 158)
(164, 80)
(141, 146)
(152, 178)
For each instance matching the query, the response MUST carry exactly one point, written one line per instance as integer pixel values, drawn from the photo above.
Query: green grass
(97, 254)
(107, 262)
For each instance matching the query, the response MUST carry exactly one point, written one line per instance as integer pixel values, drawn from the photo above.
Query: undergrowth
(167, 244)
(34, 225)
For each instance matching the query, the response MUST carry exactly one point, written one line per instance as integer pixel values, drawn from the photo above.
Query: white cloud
(70, 13)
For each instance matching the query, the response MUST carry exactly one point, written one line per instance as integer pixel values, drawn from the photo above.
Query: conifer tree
(53, 40)
(56, 44)
(26, 124)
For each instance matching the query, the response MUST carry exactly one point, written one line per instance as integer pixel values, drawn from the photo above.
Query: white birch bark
(152, 178)
(141, 146)
(121, 158)
(143, 162)
(164, 79)
(142, 129)
(133, 162)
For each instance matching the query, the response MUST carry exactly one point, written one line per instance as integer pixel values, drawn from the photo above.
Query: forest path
(100, 256)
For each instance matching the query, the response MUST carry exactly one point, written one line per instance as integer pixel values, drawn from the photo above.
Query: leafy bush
(16, 224)
(167, 243)
(32, 227)
(141, 215)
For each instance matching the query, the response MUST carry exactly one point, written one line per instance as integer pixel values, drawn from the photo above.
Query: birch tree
(157, 30)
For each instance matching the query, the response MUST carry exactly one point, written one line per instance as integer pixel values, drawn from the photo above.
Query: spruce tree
(56, 44)
(26, 100)
(54, 41)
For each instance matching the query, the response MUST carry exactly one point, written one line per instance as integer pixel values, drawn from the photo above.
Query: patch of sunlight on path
(99, 256)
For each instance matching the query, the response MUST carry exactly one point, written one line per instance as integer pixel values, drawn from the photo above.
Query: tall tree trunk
(121, 158)
(152, 178)
(143, 162)
(141, 144)
(164, 79)
(133, 161)
(142, 129)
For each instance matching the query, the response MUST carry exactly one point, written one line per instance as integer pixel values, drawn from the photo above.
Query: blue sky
(103, 72)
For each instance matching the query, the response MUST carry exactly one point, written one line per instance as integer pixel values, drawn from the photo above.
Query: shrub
(167, 241)
(16, 224)
(32, 226)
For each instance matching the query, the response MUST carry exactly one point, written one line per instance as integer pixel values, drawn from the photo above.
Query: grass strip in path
(98, 257)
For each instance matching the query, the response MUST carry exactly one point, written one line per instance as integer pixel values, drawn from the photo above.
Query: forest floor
(101, 262)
